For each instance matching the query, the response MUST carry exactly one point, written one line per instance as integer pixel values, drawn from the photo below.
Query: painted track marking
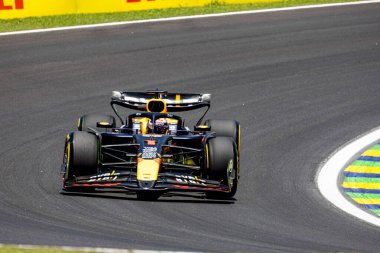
(327, 177)
(362, 180)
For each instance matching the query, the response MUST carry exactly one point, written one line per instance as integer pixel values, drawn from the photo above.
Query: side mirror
(202, 128)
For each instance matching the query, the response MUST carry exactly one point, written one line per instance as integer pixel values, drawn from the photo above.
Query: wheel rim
(231, 174)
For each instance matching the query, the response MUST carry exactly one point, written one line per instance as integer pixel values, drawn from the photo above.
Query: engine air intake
(156, 105)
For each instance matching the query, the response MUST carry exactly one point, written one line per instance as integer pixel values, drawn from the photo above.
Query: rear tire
(222, 165)
(91, 120)
(227, 128)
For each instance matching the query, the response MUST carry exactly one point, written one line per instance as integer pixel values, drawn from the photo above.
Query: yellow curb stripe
(360, 185)
(363, 169)
(375, 153)
(367, 201)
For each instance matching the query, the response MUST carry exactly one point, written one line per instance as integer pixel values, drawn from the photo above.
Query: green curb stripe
(376, 147)
(362, 179)
(362, 168)
(366, 163)
(364, 195)
(375, 211)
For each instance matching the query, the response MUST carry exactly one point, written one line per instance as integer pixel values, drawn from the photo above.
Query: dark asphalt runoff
(301, 83)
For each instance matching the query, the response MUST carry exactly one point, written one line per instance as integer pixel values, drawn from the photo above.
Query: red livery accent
(151, 142)
(181, 186)
(93, 185)
(197, 188)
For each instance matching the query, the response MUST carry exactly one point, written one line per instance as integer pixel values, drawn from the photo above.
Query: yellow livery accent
(68, 153)
(239, 140)
(144, 123)
(178, 99)
(172, 121)
(147, 170)
(67, 160)
(79, 121)
(207, 158)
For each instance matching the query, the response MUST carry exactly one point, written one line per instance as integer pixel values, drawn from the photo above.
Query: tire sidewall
(222, 154)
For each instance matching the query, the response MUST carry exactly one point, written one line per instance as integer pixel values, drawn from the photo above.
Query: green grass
(8, 25)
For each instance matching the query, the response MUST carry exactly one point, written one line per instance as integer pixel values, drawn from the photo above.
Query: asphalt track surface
(302, 83)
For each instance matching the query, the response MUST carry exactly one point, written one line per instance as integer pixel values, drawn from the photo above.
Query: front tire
(81, 155)
(222, 165)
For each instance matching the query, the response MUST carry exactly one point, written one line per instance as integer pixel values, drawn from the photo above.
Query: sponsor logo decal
(149, 152)
(190, 180)
(104, 177)
(10, 5)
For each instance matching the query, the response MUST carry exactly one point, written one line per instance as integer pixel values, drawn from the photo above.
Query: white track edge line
(327, 177)
(86, 249)
(188, 17)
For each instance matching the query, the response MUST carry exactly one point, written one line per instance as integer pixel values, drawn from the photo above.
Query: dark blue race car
(153, 152)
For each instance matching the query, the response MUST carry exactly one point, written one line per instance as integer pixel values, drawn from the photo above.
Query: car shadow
(166, 197)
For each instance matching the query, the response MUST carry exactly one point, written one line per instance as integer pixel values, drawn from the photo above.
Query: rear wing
(175, 102)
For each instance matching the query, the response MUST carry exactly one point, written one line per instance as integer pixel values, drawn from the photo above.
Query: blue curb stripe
(357, 190)
(353, 174)
(372, 207)
(369, 158)
(364, 165)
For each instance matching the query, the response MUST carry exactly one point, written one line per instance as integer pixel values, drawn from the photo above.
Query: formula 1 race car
(153, 152)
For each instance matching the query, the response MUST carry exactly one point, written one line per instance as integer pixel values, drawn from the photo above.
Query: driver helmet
(160, 126)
